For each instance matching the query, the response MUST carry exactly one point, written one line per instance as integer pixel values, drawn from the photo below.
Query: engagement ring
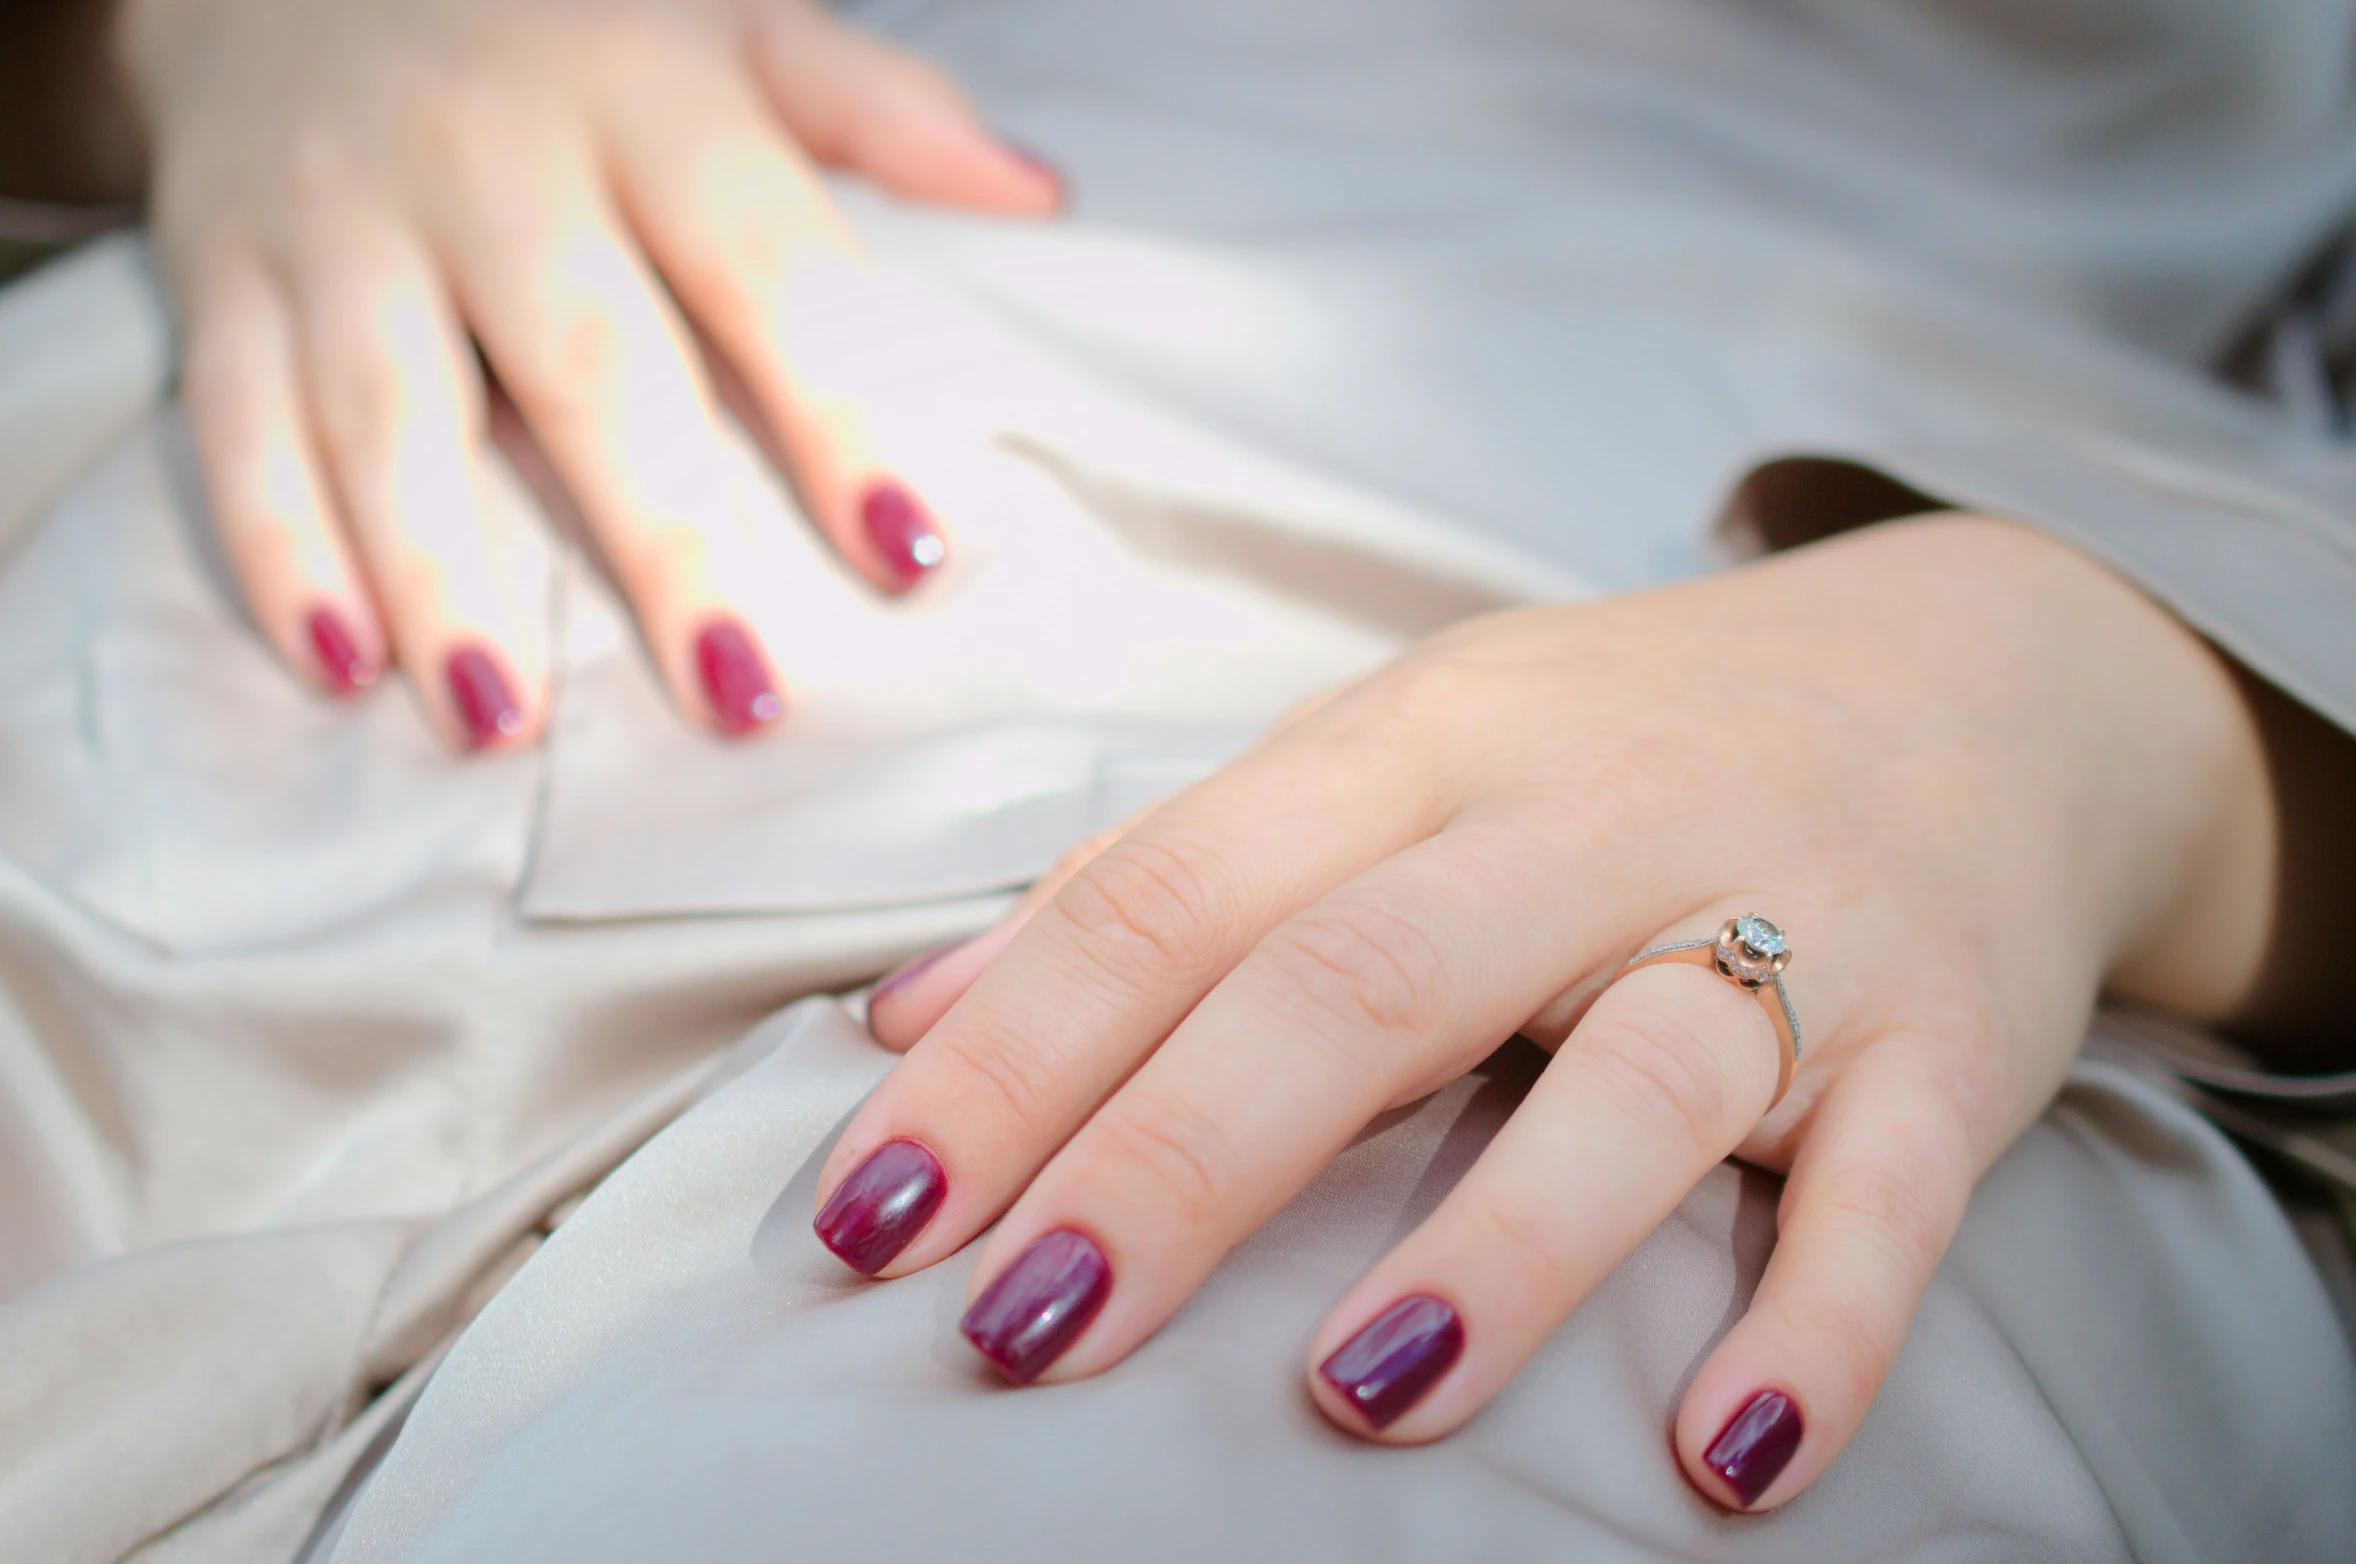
(1750, 953)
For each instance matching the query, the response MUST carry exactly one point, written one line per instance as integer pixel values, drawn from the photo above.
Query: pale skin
(350, 197)
(1978, 778)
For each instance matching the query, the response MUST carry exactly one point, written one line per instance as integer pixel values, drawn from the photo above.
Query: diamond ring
(1750, 953)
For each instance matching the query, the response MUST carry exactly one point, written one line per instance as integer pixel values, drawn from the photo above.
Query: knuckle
(564, 367)
(1183, 1153)
(362, 401)
(1888, 1207)
(1660, 1069)
(1157, 903)
(1517, 1235)
(1846, 1338)
(1426, 694)
(1370, 964)
(1010, 1068)
(461, 115)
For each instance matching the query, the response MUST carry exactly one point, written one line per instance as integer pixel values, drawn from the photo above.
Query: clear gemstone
(1759, 936)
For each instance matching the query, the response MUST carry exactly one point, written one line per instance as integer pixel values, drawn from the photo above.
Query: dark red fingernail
(1041, 166)
(1395, 1358)
(883, 1205)
(1753, 1449)
(1039, 1303)
(908, 972)
(736, 678)
(347, 668)
(902, 533)
(485, 704)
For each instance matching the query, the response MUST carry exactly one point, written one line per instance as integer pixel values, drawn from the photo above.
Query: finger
(1665, 1075)
(400, 411)
(738, 225)
(1103, 972)
(270, 509)
(1394, 982)
(1874, 1198)
(906, 1001)
(909, 1000)
(858, 103)
(602, 368)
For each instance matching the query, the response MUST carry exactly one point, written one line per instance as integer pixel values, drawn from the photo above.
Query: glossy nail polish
(348, 670)
(479, 690)
(883, 1205)
(1396, 1357)
(1755, 1446)
(903, 535)
(907, 972)
(736, 678)
(1039, 1304)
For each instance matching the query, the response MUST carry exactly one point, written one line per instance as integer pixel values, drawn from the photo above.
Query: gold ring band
(1750, 953)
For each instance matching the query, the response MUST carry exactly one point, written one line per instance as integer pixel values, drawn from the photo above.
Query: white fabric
(1371, 313)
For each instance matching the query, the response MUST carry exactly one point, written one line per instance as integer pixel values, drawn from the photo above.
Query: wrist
(2169, 812)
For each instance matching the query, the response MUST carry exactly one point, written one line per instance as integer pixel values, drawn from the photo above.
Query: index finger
(1095, 981)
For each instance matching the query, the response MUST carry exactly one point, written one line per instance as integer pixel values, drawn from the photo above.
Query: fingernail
(1388, 1365)
(883, 1205)
(348, 670)
(1753, 1449)
(1039, 165)
(1039, 1303)
(901, 532)
(736, 678)
(479, 690)
(908, 972)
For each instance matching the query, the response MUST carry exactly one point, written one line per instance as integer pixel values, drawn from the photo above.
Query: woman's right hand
(346, 191)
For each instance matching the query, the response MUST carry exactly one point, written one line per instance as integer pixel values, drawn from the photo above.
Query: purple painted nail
(736, 678)
(1039, 1304)
(883, 1205)
(903, 535)
(1388, 1365)
(479, 690)
(1756, 1445)
(908, 972)
(348, 670)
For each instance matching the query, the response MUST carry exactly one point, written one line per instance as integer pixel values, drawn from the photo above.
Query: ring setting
(1751, 953)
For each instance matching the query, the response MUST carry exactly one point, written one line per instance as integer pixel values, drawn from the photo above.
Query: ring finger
(1661, 1080)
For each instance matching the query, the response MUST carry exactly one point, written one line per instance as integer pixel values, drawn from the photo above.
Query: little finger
(1875, 1195)
(242, 387)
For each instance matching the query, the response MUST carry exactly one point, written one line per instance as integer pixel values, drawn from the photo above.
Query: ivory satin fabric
(1370, 315)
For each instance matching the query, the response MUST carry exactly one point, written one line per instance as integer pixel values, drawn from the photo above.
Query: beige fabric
(684, 1371)
(307, 1029)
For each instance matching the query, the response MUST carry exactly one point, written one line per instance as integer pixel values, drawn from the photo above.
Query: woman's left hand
(1976, 777)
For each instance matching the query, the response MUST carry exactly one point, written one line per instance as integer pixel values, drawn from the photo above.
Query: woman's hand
(1975, 777)
(345, 190)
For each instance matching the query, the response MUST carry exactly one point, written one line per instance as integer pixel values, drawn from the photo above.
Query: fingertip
(482, 695)
(341, 662)
(1388, 1367)
(1038, 186)
(906, 541)
(1750, 1451)
(738, 687)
